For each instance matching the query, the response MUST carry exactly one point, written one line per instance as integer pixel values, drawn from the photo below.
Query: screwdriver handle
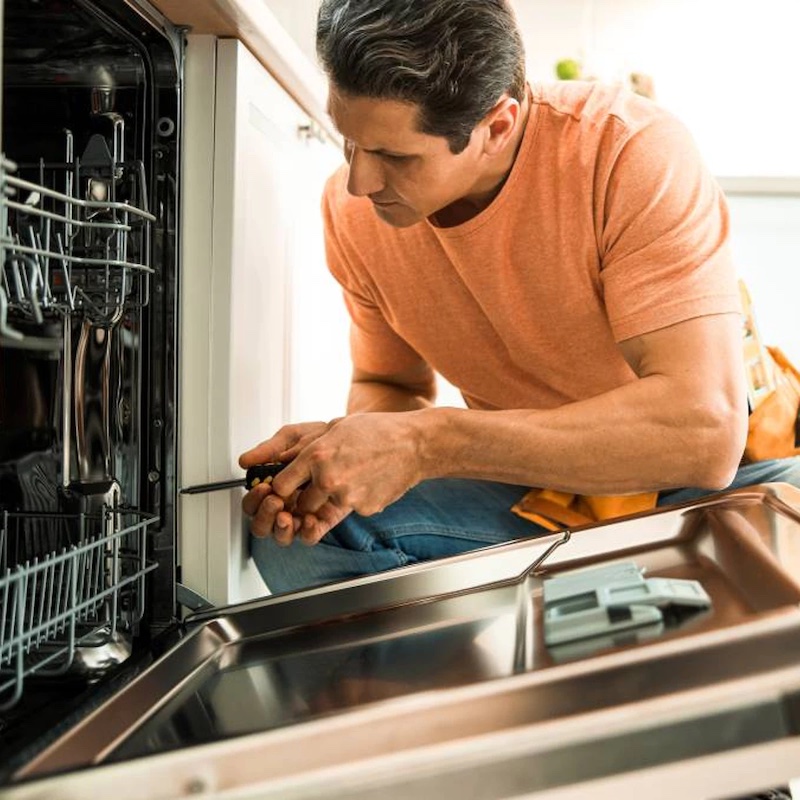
(262, 473)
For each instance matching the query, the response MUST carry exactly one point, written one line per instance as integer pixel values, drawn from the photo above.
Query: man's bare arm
(682, 424)
(405, 391)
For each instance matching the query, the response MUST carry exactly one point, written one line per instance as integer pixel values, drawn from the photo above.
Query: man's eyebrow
(382, 151)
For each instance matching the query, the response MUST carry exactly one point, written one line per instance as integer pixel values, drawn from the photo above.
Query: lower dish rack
(67, 581)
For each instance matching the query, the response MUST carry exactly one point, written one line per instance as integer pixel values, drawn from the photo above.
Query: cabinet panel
(251, 228)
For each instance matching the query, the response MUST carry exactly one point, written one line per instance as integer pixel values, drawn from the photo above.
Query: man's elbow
(720, 455)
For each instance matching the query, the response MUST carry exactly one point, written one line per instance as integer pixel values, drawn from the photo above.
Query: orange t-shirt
(608, 227)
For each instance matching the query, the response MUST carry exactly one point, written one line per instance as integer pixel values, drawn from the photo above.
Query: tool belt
(558, 510)
(772, 429)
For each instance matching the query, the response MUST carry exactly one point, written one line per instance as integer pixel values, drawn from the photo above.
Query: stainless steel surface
(489, 742)
(93, 401)
(191, 599)
(419, 665)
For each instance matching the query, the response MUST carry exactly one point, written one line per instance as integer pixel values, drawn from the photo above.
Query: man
(559, 253)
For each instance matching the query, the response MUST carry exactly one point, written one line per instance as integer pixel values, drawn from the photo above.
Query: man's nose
(365, 176)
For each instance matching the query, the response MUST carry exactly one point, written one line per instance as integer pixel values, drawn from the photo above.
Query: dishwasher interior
(89, 199)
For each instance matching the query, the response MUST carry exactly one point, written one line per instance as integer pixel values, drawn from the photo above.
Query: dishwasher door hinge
(191, 599)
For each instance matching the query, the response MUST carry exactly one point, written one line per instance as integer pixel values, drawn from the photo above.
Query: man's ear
(500, 124)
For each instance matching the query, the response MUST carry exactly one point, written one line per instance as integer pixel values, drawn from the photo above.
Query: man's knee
(790, 471)
(782, 470)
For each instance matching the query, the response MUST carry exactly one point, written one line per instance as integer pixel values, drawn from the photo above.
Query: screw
(196, 786)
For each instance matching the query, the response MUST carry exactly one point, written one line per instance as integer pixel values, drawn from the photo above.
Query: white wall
(765, 237)
(299, 19)
(728, 68)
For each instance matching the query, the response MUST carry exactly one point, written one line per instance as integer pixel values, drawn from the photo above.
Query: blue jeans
(438, 518)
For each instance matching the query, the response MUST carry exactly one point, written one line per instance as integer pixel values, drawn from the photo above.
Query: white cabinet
(320, 366)
(252, 241)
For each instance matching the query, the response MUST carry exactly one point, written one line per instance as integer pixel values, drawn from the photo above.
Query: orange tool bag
(773, 392)
(558, 510)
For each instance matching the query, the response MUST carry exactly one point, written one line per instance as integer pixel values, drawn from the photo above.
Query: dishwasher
(90, 175)
(658, 653)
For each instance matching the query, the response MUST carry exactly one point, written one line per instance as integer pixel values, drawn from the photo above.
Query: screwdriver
(261, 473)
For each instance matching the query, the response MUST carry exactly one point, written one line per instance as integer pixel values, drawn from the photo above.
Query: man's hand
(361, 463)
(272, 514)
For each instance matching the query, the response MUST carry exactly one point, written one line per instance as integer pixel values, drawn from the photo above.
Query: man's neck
(466, 208)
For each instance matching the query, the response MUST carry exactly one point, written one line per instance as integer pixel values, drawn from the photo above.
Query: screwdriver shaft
(213, 487)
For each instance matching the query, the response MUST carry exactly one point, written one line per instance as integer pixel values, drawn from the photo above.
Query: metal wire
(52, 599)
(77, 250)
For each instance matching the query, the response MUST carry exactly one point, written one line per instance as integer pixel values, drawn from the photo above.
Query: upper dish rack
(75, 236)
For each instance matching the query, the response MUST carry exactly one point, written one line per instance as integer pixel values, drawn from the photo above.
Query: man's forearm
(367, 395)
(681, 422)
(625, 441)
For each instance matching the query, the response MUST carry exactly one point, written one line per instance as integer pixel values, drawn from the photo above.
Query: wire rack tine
(80, 249)
(52, 602)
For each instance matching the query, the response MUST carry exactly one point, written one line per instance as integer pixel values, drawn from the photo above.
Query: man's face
(407, 175)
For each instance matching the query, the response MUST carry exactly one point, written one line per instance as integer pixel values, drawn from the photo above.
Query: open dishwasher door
(435, 680)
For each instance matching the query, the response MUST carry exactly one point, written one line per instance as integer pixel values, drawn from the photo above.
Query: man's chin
(397, 215)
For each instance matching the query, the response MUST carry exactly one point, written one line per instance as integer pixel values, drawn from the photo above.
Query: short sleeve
(665, 256)
(374, 346)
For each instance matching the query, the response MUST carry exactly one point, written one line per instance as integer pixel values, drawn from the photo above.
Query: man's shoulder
(595, 105)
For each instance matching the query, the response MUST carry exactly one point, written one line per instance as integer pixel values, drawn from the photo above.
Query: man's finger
(315, 526)
(263, 521)
(283, 533)
(313, 529)
(260, 454)
(252, 500)
(295, 475)
(310, 500)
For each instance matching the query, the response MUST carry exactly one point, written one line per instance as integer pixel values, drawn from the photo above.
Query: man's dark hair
(452, 58)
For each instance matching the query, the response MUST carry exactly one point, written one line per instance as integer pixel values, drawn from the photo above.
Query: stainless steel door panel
(508, 738)
(433, 656)
(279, 626)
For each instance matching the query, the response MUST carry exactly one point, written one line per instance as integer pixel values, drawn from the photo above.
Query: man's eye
(395, 157)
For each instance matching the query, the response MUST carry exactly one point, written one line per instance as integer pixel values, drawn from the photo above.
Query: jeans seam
(421, 529)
